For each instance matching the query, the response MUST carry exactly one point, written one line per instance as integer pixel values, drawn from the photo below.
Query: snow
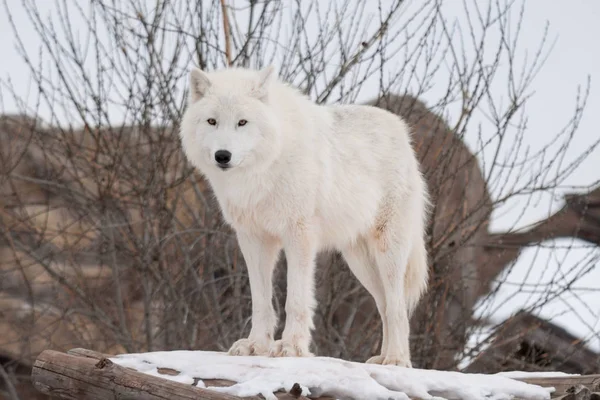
(541, 374)
(327, 376)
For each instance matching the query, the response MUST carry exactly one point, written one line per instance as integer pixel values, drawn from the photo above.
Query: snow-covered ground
(329, 376)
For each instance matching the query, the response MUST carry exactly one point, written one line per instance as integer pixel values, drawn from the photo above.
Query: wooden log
(561, 384)
(294, 394)
(86, 374)
(69, 376)
(88, 353)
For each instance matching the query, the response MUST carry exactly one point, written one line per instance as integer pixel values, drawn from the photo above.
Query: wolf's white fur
(305, 178)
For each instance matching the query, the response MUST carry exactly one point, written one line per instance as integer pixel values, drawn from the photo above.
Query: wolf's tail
(417, 274)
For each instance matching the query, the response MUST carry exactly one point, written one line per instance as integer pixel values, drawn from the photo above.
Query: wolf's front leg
(300, 250)
(260, 253)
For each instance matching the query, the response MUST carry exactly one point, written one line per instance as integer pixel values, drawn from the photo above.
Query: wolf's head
(229, 124)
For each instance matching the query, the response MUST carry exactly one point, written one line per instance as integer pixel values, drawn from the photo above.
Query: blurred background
(110, 241)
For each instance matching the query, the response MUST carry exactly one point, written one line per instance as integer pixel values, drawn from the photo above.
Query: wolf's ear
(199, 84)
(266, 76)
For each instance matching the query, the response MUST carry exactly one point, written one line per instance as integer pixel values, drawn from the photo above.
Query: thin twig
(226, 33)
(12, 391)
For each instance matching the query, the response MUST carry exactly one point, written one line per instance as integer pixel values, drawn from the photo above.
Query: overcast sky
(575, 27)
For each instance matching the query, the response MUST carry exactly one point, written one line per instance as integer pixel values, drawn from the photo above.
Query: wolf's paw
(247, 347)
(375, 360)
(287, 348)
(399, 361)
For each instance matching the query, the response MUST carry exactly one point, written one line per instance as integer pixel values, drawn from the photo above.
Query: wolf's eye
(242, 122)
(211, 121)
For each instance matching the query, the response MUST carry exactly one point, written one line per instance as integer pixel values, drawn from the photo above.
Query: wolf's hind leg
(363, 266)
(390, 245)
(392, 268)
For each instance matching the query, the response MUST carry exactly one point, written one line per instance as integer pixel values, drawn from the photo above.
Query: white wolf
(290, 174)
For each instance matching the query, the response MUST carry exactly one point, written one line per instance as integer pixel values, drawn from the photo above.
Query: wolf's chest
(256, 205)
(240, 216)
(257, 218)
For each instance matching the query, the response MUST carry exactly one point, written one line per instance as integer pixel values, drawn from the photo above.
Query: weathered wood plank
(166, 371)
(88, 353)
(86, 374)
(561, 384)
(71, 377)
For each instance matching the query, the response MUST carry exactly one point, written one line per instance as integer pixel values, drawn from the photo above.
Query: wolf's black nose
(222, 157)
